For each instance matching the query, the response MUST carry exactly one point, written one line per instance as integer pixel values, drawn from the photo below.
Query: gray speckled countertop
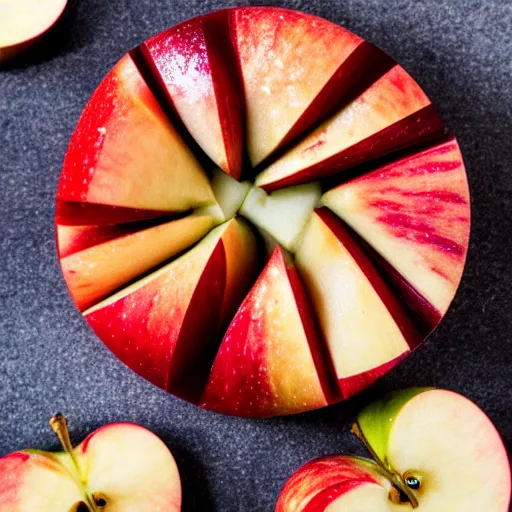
(461, 53)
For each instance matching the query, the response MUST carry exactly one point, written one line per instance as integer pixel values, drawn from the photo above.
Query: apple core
(261, 213)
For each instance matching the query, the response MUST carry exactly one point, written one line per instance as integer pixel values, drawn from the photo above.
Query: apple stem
(59, 424)
(395, 478)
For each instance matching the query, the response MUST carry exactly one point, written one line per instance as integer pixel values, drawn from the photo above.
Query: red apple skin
(250, 377)
(191, 61)
(314, 486)
(12, 466)
(72, 213)
(409, 331)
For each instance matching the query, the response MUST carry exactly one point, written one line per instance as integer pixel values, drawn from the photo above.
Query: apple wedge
(364, 326)
(125, 152)
(253, 373)
(23, 22)
(192, 62)
(229, 193)
(434, 450)
(97, 260)
(284, 213)
(121, 467)
(415, 212)
(390, 115)
(287, 59)
(165, 326)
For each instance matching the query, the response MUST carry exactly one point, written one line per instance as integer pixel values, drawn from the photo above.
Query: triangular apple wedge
(414, 212)
(392, 114)
(270, 361)
(165, 326)
(286, 59)
(192, 61)
(125, 152)
(96, 260)
(364, 326)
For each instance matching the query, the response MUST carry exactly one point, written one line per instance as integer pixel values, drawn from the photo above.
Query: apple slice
(338, 484)
(253, 373)
(192, 62)
(121, 467)
(435, 451)
(442, 448)
(287, 59)
(284, 213)
(97, 260)
(165, 326)
(23, 22)
(415, 212)
(365, 328)
(391, 114)
(126, 153)
(229, 193)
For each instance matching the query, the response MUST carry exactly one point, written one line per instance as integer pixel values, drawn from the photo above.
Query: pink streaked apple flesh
(165, 326)
(416, 213)
(23, 22)
(364, 326)
(391, 114)
(286, 60)
(191, 61)
(91, 256)
(337, 484)
(267, 362)
(123, 464)
(125, 152)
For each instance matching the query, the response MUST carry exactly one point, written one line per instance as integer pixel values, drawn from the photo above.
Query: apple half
(255, 199)
(434, 451)
(23, 22)
(121, 467)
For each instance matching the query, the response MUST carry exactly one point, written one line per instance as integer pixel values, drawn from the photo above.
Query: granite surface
(461, 53)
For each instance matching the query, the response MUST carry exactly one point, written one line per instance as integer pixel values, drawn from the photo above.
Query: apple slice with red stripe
(120, 467)
(195, 63)
(365, 328)
(287, 59)
(90, 255)
(434, 451)
(414, 212)
(165, 325)
(125, 152)
(253, 373)
(391, 114)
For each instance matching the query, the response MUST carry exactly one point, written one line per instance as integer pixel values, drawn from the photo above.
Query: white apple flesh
(121, 467)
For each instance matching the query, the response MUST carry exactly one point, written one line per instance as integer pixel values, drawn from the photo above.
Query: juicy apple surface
(255, 199)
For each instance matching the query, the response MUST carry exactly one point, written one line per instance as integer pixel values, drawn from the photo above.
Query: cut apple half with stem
(121, 467)
(253, 157)
(434, 450)
(23, 22)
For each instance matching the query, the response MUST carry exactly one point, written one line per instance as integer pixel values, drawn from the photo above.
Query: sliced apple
(284, 213)
(120, 467)
(415, 212)
(23, 22)
(442, 447)
(365, 328)
(126, 153)
(165, 326)
(391, 114)
(125, 253)
(229, 193)
(192, 61)
(338, 484)
(287, 58)
(253, 373)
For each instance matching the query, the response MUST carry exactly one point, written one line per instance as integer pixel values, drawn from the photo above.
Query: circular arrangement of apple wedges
(261, 213)
(433, 450)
